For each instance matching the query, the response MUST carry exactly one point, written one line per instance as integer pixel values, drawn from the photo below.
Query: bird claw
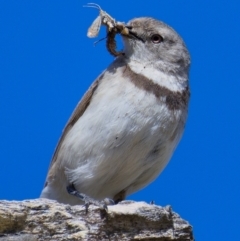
(88, 200)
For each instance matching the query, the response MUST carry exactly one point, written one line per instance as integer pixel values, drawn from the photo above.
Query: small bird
(126, 127)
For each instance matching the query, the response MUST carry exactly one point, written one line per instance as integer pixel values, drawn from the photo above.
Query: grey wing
(77, 113)
(95, 27)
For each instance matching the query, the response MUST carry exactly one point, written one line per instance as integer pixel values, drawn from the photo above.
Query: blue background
(47, 63)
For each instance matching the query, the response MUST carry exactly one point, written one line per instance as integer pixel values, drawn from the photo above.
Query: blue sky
(47, 63)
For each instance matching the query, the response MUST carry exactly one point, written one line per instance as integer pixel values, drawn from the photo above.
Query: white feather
(107, 150)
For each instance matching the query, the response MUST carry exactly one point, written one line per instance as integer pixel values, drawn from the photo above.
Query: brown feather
(77, 113)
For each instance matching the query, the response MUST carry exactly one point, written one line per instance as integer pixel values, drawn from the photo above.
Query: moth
(113, 28)
(102, 19)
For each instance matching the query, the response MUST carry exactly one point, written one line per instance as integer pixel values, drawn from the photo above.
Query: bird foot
(88, 200)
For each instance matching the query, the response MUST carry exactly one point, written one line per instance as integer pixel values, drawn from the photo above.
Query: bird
(128, 124)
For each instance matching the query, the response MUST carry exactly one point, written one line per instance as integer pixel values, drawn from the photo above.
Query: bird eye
(156, 38)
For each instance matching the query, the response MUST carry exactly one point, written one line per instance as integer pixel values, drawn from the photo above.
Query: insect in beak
(113, 28)
(102, 19)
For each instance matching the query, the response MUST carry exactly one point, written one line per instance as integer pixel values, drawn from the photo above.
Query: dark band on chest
(174, 100)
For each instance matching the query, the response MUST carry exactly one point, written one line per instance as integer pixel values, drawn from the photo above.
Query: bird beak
(128, 32)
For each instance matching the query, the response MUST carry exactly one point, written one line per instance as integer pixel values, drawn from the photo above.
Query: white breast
(123, 141)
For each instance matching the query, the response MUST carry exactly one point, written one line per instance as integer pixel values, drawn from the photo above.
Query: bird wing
(77, 113)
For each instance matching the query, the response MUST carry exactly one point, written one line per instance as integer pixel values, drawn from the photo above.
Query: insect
(113, 28)
(102, 19)
(111, 44)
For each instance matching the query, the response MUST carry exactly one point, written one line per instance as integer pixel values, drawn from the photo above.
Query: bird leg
(88, 200)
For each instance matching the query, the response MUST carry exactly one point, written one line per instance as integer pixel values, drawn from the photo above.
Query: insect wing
(95, 27)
